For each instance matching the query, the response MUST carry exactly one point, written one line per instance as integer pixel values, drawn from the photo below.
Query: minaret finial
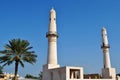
(103, 28)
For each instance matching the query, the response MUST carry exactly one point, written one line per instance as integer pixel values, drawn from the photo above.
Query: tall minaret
(52, 39)
(107, 71)
(52, 47)
(105, 47)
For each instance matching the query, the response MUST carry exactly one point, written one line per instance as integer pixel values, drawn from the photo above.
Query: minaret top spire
(104, 38)
(103, 28)
(52, 10)
(52, 24)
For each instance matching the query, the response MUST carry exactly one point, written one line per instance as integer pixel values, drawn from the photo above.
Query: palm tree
(17, 51)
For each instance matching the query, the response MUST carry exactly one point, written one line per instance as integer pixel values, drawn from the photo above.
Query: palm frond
(21, 63)
(30, 58)
(3, 52)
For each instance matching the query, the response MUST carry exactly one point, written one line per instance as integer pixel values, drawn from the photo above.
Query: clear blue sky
(79, 24)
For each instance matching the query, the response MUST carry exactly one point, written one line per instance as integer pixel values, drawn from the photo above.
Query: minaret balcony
(52, 33)
(105, 46)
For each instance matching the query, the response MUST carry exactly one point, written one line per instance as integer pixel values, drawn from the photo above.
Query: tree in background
(40, 75)
(17, 51)
(29, 76)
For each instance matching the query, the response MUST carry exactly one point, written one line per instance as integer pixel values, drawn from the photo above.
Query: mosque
(53, 71)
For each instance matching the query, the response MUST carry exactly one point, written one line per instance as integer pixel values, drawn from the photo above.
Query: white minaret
(107, 71)
(52, 47)
(105, 48)
(52, 39)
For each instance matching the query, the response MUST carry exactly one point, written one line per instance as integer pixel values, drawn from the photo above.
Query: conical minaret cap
(104, 29)
(52, 10)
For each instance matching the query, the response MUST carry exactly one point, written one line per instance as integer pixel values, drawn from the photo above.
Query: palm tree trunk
(16, 70)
